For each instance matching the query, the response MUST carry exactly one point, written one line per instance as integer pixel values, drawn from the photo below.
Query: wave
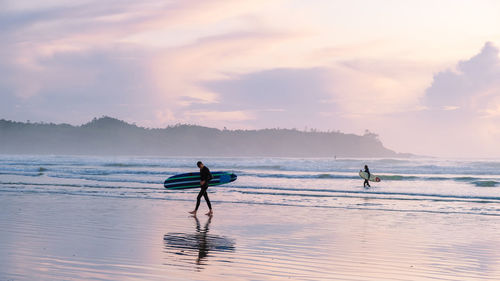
(418, 177)
(364, 193)
(102, 179)
(355, 176)
(97, 186)
(124, 175)
(326, 176)
(81, 171)
(323, 165)
(99, 172)
(473, 180)
(127, 165)
(259, 167)
(27, 174)
(292, 176)
(23, 169)
(485, 183)
(397, 177)
(465, 178)
(97, 175)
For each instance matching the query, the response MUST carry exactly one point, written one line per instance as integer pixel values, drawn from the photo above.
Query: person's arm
(202, 179)
(203, 176)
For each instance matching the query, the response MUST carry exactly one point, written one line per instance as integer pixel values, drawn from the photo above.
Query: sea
(429, 185)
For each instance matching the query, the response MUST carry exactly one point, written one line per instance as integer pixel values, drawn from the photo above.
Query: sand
(67, 237)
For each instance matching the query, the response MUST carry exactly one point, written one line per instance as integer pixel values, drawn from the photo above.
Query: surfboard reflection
(197, 245)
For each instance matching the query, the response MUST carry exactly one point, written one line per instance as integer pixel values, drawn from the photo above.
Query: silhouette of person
(366, 183)
(201, 238)
(197, 244)
(205, 177)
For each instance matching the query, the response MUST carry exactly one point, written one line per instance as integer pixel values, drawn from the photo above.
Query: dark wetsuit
(206, 176)
(366, 181)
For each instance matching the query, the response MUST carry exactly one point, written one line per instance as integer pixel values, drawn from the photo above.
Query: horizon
(423, 76)
(110, 136)
(403, 154)
(307, 130)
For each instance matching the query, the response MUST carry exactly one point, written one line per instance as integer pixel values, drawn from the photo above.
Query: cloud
(276, 97)
(182, 74)
(73, 53)
(78, 85)
(463, 106)
(472, 85)
(62, 59)
(349, 96)
(227, 116)
(291, 88)
(367, 89)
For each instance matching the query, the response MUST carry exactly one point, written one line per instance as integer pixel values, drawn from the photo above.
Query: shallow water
(65, 237)
(420, 185)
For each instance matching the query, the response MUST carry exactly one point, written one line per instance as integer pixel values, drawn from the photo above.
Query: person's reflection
(201, 237)
(198, 244)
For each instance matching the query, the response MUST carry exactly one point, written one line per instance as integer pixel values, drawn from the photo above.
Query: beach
(65, 237)
(78, 229)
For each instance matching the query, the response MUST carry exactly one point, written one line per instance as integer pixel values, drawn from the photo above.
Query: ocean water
(433, 185)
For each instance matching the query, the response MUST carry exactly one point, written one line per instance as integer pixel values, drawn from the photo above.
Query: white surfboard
(364, 175)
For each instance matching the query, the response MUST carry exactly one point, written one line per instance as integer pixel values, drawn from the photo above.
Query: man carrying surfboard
(366, 183)
(367, 176)
(205, 177)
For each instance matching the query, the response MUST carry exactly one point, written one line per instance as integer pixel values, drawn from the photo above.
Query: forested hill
(109, 136)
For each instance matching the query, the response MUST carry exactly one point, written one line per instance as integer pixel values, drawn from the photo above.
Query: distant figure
(205, 177)
(366, 183)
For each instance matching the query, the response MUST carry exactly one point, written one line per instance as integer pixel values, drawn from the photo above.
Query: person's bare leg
(200, 194)
(205, 195)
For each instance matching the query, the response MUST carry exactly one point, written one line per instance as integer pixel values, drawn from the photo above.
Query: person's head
(366, 166)
(199, 164)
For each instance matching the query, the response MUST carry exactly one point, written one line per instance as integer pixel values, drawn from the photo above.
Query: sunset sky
(424, 75)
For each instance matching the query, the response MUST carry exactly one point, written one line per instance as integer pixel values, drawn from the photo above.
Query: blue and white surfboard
(192, 180)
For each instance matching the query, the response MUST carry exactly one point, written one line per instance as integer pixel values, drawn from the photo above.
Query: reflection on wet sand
(198, 244)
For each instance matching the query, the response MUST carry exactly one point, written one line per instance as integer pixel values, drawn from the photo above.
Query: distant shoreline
(110, 136)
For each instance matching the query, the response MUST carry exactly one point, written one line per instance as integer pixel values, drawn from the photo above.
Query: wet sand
(67, 237)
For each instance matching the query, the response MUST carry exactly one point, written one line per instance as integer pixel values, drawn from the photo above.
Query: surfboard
(364, 175)
(192, 180)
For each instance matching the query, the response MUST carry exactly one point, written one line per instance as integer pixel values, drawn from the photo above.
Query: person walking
(366, 183)
(205, 177)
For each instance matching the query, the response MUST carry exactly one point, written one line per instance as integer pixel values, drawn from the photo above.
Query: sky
(424, 75)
